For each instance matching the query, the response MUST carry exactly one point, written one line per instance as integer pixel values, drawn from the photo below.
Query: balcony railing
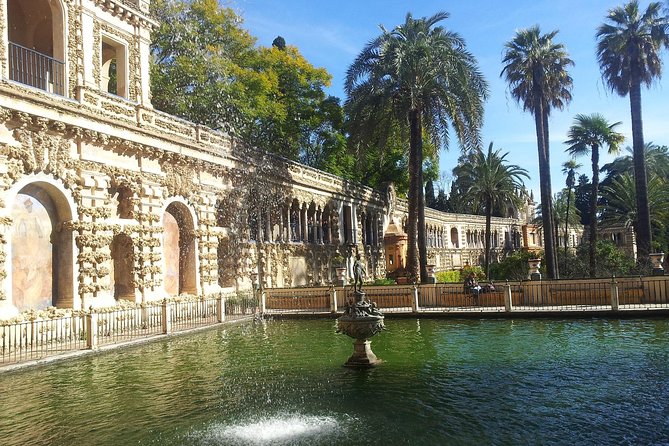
(36, 69)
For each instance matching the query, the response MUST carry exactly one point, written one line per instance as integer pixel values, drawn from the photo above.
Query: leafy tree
(628, 51)
(441, 203)
(611, 259)
(492, 182)
(588, 134)
(197, 50)
(418, 74)
(429, 194)
(569, 169)
(279, 42)
(582, 198)
(207, 69)
(513, 267)
(535, 68)
(291, 105)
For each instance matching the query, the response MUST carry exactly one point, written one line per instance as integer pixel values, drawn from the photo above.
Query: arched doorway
(41, 249)
(123, 261)
(36, 31)
(179, 250)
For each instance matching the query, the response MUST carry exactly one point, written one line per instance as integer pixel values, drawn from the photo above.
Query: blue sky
(330, 34)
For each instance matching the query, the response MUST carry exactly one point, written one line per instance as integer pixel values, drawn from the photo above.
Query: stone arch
(123, 262)
(295, 221)
(326, 224)
(311, 223)
(179, 249)
(455, 238)
(37, 47)
(41, 250)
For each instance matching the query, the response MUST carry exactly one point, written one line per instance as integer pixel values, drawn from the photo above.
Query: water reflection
(281, 382)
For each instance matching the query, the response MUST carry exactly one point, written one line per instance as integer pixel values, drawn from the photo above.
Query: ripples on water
(282, 383)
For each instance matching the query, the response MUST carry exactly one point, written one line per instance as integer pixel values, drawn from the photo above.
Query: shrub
(448, 276)
(477, 270)
(382, 282)
(515, 266)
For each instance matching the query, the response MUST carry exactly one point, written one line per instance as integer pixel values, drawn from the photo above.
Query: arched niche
(123, 262)
(179, 252)
(42, 250)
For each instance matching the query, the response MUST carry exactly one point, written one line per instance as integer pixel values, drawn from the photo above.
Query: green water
(281, 383)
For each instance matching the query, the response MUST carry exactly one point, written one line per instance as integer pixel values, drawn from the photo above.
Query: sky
(330, 34)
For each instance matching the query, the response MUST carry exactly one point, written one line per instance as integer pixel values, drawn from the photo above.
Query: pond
(281, 382)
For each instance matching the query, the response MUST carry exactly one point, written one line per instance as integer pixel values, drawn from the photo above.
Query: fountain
(361, 320)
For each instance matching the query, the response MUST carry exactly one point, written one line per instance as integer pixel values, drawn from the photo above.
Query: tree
(492, 183)
(422, 75)
(582, 198)
(588, 134)
(207, 69)
(620, 203)
(628, 51)
(197, 49)
(429, 194)
(569, 169)
(535, 68)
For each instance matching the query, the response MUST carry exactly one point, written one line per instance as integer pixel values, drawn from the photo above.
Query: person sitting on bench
(472, 286)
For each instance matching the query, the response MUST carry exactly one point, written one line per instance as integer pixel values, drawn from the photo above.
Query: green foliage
(448, 276)
(514, 266)
(467, 270)
(207, 69)
(383, 282)
(459, 275)
(420, 79)
(611, 261)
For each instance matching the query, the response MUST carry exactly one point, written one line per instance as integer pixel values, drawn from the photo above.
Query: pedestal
(362, 356)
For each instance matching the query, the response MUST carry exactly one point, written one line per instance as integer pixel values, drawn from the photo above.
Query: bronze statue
(359, 273)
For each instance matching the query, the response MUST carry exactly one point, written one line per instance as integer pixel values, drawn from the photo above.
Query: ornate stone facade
(104, 198)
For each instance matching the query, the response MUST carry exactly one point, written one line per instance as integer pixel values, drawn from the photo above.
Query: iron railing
(38, 339)
(47, 336)
(38, 70)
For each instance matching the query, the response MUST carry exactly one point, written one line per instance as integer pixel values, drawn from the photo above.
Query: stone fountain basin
(360, 327)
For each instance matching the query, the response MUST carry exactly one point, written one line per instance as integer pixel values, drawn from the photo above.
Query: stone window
(114, 67)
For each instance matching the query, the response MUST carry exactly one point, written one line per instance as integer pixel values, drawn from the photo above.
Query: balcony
(35, 69)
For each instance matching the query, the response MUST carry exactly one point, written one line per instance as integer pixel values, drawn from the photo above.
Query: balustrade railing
(46, 335)
(35, 69)
(628, 293)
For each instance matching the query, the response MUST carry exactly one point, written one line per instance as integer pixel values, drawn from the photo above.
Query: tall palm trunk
(554, 233)
(412, 221)
(644, 231)
(593, 210)
(566, 224)
(488, 218)
(416, 145)
(545, 188)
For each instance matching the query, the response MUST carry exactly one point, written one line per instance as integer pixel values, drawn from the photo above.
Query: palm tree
(423, 75)
(628, 51)
(656, 157)
(620, 203)
(535, 68)
(588, 134)
(492, 184)
(569, 169)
